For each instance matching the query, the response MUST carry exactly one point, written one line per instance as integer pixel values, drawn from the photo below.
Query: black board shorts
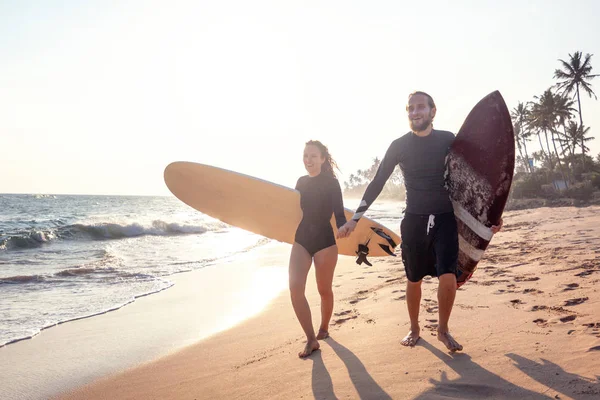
(429, 245)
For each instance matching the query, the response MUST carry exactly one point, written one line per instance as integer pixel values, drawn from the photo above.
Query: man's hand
(496, 228)
(346, 229)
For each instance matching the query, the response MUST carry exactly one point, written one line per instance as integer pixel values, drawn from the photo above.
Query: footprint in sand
(516, 302)
(532, 290)
(574, 302)
(586, 273)
(568, 318)
(357, 300)
(400, 297)
(596, 348)
(527, 278)
(362, 292)
(571, 286)
(346, 315)
(432, 309)
(342, 320)
(431, 327)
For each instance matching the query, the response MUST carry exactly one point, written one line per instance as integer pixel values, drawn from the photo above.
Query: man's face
(420, 114)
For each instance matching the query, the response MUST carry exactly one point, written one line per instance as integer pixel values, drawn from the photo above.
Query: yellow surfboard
(263, 207)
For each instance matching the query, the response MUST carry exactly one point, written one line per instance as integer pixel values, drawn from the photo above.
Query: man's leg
(413, 302)
(446, 296)
(446, 251)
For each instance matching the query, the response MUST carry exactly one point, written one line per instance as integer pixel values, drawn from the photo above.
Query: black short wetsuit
(320, 198)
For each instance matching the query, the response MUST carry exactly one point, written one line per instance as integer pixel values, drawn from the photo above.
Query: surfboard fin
(363, 252)
(387, 249)
(384, 235)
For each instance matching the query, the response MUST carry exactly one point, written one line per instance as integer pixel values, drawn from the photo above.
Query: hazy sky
(99, 96)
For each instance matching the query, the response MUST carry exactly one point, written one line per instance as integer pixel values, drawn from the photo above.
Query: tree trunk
(542, 146)
(581, 126)
(558, 159)
(562, 147)
(521, 153)
(527, 156)
(549, 151)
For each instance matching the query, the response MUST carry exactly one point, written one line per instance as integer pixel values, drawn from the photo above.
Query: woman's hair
(329, 163)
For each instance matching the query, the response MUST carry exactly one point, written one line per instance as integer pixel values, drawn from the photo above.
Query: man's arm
(389, 162)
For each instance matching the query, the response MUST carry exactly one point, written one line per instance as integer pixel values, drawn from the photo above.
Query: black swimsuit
(320, 197)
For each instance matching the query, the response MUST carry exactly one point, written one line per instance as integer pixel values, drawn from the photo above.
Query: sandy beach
(529, 321)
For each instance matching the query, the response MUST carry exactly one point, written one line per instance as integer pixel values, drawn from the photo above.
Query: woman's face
(313, 160)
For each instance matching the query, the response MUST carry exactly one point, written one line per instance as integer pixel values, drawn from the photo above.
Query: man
(428, 229)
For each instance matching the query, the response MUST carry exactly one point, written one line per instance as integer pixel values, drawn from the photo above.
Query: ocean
(64, 257)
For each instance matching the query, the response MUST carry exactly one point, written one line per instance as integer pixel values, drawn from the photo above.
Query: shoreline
(68, 355)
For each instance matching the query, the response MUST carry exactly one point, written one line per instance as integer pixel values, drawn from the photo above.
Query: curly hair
(329, 163)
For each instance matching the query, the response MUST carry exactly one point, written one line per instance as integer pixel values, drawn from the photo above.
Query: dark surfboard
(480, 168)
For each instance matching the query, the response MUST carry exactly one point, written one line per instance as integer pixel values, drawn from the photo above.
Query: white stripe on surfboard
(480, 229)
(472, 252)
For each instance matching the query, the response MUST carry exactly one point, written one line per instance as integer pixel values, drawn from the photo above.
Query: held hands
(496, 228)
(346, 229)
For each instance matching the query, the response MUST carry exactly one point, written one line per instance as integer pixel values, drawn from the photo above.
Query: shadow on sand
(365, 385)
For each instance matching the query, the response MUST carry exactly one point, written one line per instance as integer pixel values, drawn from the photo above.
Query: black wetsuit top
(320, 198)
(422, 161)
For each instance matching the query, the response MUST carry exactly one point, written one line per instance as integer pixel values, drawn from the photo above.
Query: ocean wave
(109, 230)
(22, 279)
(27, 239)
(107, 275)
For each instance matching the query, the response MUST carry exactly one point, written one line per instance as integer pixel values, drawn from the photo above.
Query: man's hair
(429, 98)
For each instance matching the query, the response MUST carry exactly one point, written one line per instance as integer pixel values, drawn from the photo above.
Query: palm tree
(573, 75)
(563, 109)
(576, 135)
(520, 116)
(544, 116)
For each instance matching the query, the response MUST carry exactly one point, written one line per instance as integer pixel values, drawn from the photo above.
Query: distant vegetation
(562, 168)
(358, 182)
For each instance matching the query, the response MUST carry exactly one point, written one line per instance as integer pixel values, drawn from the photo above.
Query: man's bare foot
(311, 346)
(322, 334)
(449, 341)
(411, 339)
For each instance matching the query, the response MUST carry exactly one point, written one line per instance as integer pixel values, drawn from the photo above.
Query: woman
(320, 197)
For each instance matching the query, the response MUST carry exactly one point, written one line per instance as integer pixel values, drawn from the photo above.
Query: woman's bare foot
(411, 339)
(322, 334)
(449, 341)
(311, 346)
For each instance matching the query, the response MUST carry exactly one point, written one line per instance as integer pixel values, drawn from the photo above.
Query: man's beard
(420, 126)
